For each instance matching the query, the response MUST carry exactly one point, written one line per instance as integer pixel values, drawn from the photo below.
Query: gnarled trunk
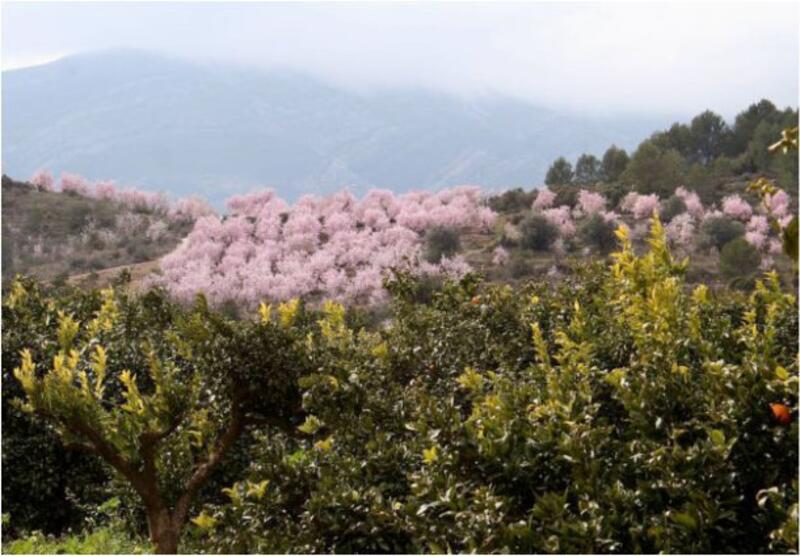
(164, 531)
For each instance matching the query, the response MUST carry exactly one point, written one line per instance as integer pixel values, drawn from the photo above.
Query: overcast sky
(676, 58)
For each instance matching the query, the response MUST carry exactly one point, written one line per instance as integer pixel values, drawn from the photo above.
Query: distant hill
(49, 234)
(214, 130)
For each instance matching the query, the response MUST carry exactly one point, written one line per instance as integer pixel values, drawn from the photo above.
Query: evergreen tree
(560, 172)
(588, 170)
(615, 160)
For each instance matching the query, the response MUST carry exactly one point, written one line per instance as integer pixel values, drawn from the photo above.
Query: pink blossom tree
(561, 217)
(75, 184)
(694, 205)
(105, 190)
(590, 202)
(681, 229)
(641, 206)
(500, 256)
(336, 247)
(43, 180)
(736, 207)
(544, 199)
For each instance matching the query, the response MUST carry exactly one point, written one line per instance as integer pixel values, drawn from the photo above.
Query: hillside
(50, 234)
(218, 130)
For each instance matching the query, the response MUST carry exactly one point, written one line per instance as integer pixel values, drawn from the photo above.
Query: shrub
(613, 191)
(671, 208)
(520, 267)
(544, 199)
(597, 233)
(615, 413)
(721, 230)
(566, 194)
(441, 243)
(513, 200)
(739, 259)
(103, 540)
(538, 233)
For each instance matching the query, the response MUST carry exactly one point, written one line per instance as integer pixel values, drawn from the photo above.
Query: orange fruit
(781, 413)
(475, 300)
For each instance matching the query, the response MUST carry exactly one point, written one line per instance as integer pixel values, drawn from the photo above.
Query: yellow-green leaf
(205, 521)
(430, 455)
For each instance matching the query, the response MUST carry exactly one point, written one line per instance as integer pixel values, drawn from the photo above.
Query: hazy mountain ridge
(215, 130)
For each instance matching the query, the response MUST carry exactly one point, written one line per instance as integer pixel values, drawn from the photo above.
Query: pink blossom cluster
(758, 234)
(757, 231)
(335, 247)
(43, 180)
(564, 218)
(136, 199)
(145, 200)
(590, 202)
(561, 217)
(500, 256)
(191, 208)
(680, 230)
(694, 205)
(544, 199)
(777, 206)
(73, 183)
(641, 206)
(736, 207)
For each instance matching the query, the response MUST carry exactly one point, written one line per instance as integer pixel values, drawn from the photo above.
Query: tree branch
(272, 421)
(80, 447)
(203, 472)
(110, 454)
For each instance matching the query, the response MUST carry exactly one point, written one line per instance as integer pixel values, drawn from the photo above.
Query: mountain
(213, 129)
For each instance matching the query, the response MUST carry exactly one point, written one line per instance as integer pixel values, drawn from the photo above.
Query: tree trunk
(164, 531)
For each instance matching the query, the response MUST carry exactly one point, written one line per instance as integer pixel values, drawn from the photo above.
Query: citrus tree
(617, 411)
(159, 394)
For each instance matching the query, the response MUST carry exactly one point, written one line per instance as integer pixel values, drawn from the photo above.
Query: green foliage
(588, 170)
(559, 173)
(513, 200)
(598, 234)
(738, 259)
(704, 154)
(199, 380)
(747, 121)
(671, 208)
(43, 480)
(520, 267)
(654, 170)
(538, 233)
(110, 539)
(721, 230)
(441, 243)
(615, 413)
(790, 234)
(710, 137)
(615, 160)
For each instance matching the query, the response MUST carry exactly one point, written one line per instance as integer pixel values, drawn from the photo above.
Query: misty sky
(676, 58)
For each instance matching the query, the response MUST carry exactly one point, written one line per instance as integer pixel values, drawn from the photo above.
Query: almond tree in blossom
(736, 207)
(641, 206)
(590, 202)
(335, 247)
(43, 180)
(73, 183)
(544, 199)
